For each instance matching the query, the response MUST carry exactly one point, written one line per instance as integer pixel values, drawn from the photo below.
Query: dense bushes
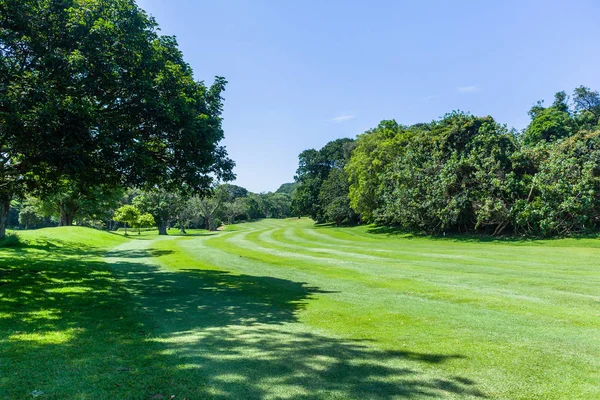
(464, 173)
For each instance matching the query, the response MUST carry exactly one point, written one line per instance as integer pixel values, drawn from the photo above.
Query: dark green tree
(91, 93)
(313, 169)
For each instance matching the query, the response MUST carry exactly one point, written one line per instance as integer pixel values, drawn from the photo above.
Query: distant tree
(287, 188)
(587, 101)
(237, 208)
(210, 205)
(162, 205)
(70, 201)
(279, 205)
(29, 216)
(375, 150)
(144, 221)
(334, 198)
(127, 214)
(549, 124)
(313, 169)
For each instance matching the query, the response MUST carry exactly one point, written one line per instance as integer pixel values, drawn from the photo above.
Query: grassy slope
(280, 309)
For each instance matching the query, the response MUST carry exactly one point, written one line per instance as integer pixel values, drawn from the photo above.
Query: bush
(11, 240)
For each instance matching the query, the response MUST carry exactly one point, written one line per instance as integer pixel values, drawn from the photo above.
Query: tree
(127, 214)
(69, 202)
(29, 216)
(313, 169)
(210, 204)
(587, 101)
(453, 175)
(144, 221)
(162, 205)
(235, 209)
(564, 193)
(375, 150)
(98, 77)
(287, 188)
(334, 197)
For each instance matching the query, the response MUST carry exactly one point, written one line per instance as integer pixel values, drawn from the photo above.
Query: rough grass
(283, 309)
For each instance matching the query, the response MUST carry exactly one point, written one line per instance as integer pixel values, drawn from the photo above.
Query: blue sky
(302, 73)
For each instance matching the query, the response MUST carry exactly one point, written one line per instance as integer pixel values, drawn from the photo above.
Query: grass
(283, 309)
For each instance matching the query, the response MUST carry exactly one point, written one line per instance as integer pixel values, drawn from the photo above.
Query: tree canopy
(90, 92)
(464, 173)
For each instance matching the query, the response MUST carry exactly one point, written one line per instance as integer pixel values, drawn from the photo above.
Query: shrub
(11, 240)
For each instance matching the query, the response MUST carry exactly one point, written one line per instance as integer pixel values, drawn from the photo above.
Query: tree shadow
(386, 230)
(73, 326)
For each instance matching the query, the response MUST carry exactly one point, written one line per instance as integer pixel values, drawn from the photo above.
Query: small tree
(127, 214)
(145, 221)
(29, 216)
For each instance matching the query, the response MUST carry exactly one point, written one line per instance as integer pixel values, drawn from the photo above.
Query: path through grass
(281, 309)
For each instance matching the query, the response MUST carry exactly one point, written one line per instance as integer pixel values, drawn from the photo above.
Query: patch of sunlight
(286, 391)
(5, 315)
(320, 362)
(101, 273)
(70, 289)
(56, 337)
(231, 378)
(188, 366)
(66, 281)
(45, 314)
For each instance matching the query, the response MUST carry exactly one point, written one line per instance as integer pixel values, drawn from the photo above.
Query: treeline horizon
(158, 209)
(464, 174)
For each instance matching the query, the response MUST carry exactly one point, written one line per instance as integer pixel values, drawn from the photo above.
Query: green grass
(282, 309)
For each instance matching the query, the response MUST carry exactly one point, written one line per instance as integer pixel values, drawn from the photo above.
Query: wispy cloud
(468, 89)
(342, 118)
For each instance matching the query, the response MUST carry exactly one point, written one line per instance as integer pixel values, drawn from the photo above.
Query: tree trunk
(67, 207)
(4, 208)
(181, 226)
(209, 223)
(162, 227)
(66, 218)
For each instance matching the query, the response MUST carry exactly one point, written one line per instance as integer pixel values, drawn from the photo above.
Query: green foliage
(313, 170)
(465, 174)
(10, 240)
(92, 94)
(587, 105)
(145, 221)
(334, 198)
(127, 214)
(162, 205)
(451, 177)
(29, 216)
(287, 188)
(375, 150)
(549, 125)
(564, 196)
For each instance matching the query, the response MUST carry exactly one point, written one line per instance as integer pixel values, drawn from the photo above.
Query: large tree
(90, 91)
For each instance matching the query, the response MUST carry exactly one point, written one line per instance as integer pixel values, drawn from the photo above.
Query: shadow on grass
(72, 326)
(457, 237)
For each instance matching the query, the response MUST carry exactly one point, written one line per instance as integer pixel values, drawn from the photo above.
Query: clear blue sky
(302, 73)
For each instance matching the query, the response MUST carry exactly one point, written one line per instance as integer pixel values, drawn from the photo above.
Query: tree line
(464, 174)
(156, 208)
